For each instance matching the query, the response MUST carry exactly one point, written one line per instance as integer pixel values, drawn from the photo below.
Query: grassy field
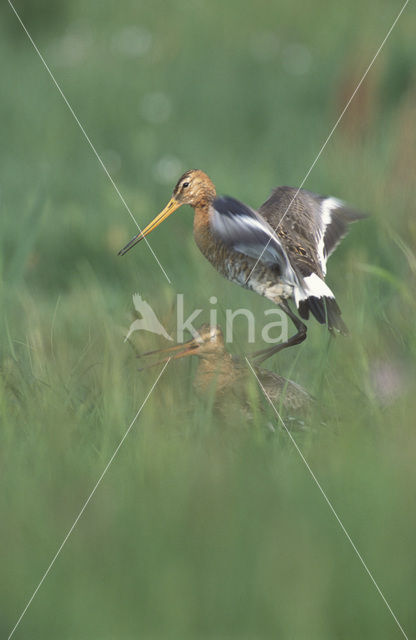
(201, 529)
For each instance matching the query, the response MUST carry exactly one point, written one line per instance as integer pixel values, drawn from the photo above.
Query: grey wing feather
(243, 230)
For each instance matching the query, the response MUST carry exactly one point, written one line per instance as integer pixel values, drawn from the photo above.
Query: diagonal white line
(86, 502)
(327, 500)
(87, 137)
(331, 132)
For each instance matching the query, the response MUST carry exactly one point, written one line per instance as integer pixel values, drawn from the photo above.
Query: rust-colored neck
(204, 198)
(202, 232)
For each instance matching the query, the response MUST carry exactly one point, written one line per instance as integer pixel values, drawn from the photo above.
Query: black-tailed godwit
(279, 251)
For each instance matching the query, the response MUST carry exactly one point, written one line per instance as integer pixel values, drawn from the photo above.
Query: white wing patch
(313, 285)
(328, 206)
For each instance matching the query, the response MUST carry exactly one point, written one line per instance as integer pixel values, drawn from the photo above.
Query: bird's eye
(185, 184)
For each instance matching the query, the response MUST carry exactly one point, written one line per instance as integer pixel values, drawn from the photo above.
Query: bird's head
(208, 343)
(194, 188)
(210, 340)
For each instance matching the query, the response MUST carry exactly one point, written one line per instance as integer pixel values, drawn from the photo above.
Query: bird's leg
(263, 354)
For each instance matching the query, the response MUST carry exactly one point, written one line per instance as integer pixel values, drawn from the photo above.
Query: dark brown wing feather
(299, 229)
(310, 226)
(279, 389)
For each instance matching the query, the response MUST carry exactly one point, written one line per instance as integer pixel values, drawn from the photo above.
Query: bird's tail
(316, 297)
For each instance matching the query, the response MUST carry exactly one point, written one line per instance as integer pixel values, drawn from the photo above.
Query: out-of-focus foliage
(201, 529)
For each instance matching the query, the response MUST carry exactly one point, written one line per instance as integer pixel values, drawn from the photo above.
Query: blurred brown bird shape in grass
(229, 377)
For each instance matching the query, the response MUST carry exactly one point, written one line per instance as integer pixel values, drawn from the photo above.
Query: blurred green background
(201, 529)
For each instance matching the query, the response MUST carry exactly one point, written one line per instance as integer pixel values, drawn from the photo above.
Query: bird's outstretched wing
(311, 226)
(245, 231)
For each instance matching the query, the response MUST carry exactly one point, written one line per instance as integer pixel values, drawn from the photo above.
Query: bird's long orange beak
(172, 205)
(188, 348)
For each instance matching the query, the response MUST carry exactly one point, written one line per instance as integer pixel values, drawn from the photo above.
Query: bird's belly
(261, 280)
(243, 270)
(274, 290)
